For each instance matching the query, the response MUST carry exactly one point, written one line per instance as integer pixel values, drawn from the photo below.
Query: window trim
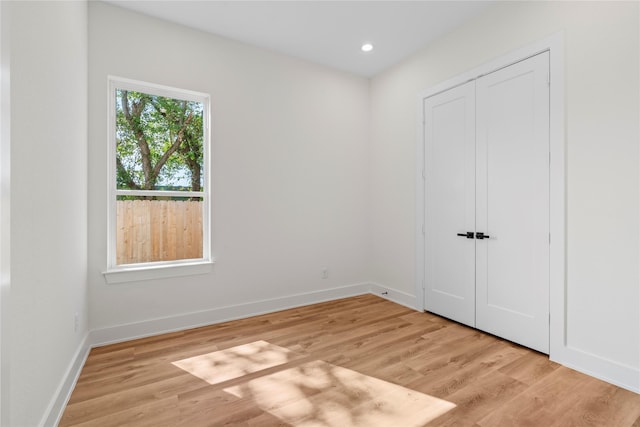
(151, 270)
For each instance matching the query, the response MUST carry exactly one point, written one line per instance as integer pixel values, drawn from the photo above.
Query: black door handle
(481, 236)
(468, 234)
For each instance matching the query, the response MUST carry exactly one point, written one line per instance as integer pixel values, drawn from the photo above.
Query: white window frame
(160, 269)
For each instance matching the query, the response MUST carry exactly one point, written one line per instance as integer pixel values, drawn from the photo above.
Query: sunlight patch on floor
(235, 362)
(321, 394)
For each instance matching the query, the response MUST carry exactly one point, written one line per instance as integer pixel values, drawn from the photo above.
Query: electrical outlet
(325, 273)
(76, 322)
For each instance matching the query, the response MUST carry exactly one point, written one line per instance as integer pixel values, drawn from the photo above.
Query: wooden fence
(158, 230)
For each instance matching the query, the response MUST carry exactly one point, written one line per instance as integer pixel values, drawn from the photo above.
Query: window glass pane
(149, 230)
(159, 142)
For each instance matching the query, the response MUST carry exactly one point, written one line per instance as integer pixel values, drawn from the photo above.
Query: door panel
(512, 178)
(450, 203)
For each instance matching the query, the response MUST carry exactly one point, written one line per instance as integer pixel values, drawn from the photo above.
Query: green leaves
(158, 142)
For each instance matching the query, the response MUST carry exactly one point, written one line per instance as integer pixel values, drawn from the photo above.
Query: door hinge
(548, 79)
(423, 284)
(422, 228)
(424, 174)
(549, 238)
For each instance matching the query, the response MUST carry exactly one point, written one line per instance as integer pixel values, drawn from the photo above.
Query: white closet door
(512, 173)
(450, 203)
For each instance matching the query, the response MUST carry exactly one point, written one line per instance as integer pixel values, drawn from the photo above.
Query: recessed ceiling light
(367, 47)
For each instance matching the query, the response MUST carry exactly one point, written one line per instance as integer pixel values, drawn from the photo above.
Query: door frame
(554, 44)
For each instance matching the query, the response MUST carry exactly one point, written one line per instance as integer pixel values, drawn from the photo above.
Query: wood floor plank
(451, 374)
(117, 399)
(473, 403)
(530, 368)
(160, 413)
(362, 346)
(90, 388)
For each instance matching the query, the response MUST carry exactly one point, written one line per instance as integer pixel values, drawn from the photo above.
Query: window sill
(134, 274)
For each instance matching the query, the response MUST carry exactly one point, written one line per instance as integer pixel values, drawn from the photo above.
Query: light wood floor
(361, 361)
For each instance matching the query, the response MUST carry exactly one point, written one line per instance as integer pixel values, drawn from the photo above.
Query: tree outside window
(159, 175)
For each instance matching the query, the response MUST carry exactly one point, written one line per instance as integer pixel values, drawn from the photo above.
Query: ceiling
(325, 32)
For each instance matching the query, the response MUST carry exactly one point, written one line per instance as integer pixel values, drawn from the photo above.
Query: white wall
(290, 144)
(602, 133)
(5, 211)
(48, 201)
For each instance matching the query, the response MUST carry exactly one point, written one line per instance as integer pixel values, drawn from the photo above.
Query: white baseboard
(56, 407)
(151, 327)
(623, 376)
(394, 295)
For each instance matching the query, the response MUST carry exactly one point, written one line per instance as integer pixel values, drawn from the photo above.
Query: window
(158, 176)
